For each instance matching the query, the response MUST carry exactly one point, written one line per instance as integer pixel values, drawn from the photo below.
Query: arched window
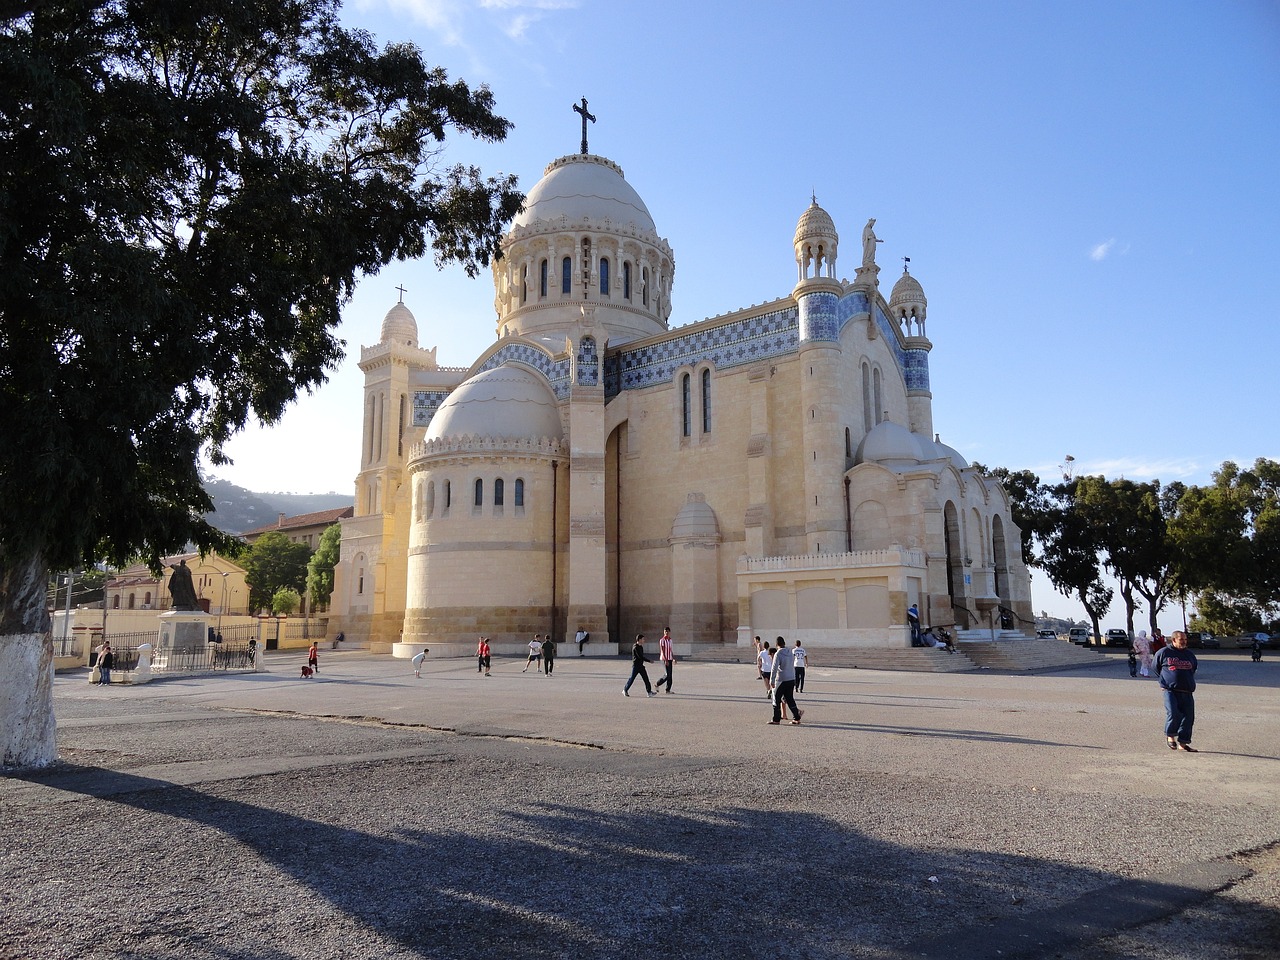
(566, 276)
(497, 493)
(542, 279)
(519, 492)
(644, 286)
(848, 444)
(448, 497)
(685, 404)
(115, 602)
(866, 398)
(146, 599)
(604, 277)
(875, 381)
(479, 501)
(133, 600)
(706, 401)
(626, 280)
(431, 499)
(524, 284)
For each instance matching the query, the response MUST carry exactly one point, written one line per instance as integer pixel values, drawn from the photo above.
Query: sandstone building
(768, 471)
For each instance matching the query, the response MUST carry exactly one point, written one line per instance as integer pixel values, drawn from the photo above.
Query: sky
(1089, 193)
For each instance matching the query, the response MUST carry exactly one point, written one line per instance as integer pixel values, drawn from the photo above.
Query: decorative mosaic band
(819, 317)
(915, 370)
(425, 405)
(588, 368)
(728, 345)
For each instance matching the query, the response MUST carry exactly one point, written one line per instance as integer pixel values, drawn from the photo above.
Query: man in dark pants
(638, 660)
(783, 677)
(1176, 667)
(666, 656)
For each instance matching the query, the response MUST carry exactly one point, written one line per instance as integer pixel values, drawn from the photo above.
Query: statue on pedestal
(181, 588)
(869, 241)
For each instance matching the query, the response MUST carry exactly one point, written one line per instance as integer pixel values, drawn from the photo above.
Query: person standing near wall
(106, 660)
(482, 656)
(313, 658)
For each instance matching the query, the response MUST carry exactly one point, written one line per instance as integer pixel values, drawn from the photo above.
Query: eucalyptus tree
(189, 193)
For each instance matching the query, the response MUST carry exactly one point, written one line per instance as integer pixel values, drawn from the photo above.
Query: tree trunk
(27, 727)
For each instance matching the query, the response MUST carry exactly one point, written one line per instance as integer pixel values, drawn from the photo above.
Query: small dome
(399, 326)
(581, 186)
(951, 453)
(815, 222)
(505, 402)
(889, 441)
(906, 291)
(695, 520)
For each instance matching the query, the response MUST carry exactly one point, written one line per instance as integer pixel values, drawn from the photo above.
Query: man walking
(638, 660)
(667, 656)
(1176, 667)
(548, 655)
(801, 657)
(783, 678)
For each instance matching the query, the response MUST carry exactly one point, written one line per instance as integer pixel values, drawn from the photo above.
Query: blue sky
(1087, 191)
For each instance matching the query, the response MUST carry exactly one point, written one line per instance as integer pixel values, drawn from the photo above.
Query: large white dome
(580, 186)
(505, 402)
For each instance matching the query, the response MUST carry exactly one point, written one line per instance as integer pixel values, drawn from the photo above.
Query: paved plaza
(366, 813)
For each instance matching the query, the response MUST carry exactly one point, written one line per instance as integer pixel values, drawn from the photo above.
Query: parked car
(1202, 638)
(1246, 639)
(1078, 635)
(1046, 635)
(1117, 638)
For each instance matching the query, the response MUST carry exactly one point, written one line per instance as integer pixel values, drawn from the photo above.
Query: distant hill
(237, 509)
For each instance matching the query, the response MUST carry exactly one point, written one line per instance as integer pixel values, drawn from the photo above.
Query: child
(1133, 662)
(419, 660)
(306, 672)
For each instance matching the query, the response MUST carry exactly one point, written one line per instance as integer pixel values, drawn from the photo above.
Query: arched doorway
(954, 539)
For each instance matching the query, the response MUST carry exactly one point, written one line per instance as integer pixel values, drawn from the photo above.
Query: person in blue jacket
(1176, 667)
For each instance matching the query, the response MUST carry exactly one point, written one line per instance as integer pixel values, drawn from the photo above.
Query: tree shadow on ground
(448, 861)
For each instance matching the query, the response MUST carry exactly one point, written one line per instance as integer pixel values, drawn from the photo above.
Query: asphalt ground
(366, 813)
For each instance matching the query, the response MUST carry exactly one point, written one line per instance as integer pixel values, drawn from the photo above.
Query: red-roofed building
(305, 528)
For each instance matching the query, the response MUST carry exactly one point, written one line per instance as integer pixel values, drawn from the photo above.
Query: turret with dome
(773, 467)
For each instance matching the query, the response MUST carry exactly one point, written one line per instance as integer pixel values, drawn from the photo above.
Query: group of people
(103, 664)
(542, 655)
(666, 656)
(782, 671)
(936, 637)
(1142, 650)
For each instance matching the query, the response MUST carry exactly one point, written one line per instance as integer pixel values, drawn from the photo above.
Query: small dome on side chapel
(891, 442)
(504, 403)
(399, 326)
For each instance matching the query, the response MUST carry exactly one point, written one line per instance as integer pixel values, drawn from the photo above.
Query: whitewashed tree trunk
(27, 727)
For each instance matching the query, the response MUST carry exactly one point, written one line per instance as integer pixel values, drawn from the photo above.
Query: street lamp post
(223, 605)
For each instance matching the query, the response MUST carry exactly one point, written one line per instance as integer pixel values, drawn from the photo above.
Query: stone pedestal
(182, 631)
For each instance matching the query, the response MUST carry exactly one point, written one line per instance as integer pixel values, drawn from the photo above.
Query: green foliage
(285, 601)
(189, 193)
(271, 563)
(320, 569)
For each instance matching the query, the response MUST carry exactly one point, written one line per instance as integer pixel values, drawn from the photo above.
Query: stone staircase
(1025, 654)
(915, 659)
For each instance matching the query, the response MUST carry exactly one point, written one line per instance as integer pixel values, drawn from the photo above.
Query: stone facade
(771, 470)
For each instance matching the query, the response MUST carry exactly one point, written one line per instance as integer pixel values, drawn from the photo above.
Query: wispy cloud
(519, 15)
(1101, 251)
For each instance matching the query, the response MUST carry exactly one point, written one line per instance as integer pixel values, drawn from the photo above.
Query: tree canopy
(271, 563)
(320, 568)
(189, 193)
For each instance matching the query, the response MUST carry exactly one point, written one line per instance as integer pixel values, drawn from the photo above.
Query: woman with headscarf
(1142, 647)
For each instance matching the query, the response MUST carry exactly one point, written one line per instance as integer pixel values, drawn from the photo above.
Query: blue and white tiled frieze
(556, 371)
(915, 369)
(733, 344)
(819, 317)
(425, 405)
(588, 367)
